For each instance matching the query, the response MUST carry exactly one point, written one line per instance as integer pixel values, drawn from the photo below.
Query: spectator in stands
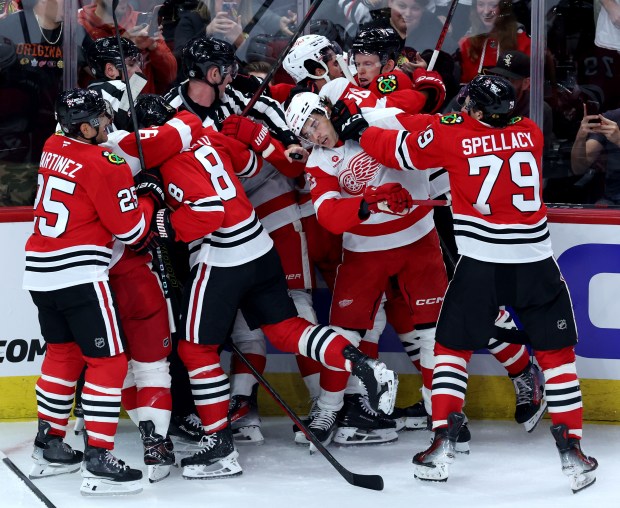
(598, 142)
(494, 29)
(192, 23)
(33, 64)
(160, 66)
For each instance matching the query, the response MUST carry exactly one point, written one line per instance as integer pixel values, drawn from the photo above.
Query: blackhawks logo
(514, 120)
(387, 84)
(451, 119)
(113, 158)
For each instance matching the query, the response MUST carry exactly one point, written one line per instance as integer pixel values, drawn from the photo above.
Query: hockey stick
(442, 35)
(372, 482)
(256, 18)
(11, 465)
(161, 267)
(259, 91)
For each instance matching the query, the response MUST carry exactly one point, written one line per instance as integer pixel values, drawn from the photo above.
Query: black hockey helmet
(77, 106)
(204, 52)
(152, 109)
(494, 96)
(105, 50)
(384, 42)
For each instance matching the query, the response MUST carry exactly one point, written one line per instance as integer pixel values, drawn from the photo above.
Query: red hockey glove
(149, 183)
(253, 134)
(160, 231)
(390, 198)
(347, 119)
(431, 83)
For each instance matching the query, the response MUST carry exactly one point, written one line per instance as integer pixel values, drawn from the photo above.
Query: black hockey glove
(149, 183)
(347, 119)
(160, 231)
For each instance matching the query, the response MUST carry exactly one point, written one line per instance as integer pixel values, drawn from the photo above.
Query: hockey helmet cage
(204, 52)
(152, 109)
(77, 106)
(301, 107)
(307, 55)
(384, 42)
(494, 96)
(105, 50)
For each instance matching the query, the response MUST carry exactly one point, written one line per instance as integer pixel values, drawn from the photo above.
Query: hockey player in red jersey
(85, 199)
(234, 266)
(494, 163)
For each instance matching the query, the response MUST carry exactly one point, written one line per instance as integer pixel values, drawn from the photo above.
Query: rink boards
(586, 244)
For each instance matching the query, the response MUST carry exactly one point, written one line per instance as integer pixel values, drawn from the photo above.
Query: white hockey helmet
(308, 47)
(300, 108)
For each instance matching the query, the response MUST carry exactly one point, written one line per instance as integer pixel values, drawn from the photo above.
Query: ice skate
(104, 475)
(157, 455)
(531, 405)
(432, 464)
(300, 437)
(78, 425)
(244, 419)
(323, 426)
(359, 424)
(578, 467)
(412, 417)
(187, 432)
(51, 455)
(381, 383)
(217, 458)
(463, 438)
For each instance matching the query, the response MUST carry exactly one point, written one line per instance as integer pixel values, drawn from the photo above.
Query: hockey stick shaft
(161, 268)
(373, 482)
(313, 7)
(442, 35)
(11, 465)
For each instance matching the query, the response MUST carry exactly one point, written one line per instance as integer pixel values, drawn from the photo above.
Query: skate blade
(52, 469)
(462, 448)
(413, 423)
(387, 400)
(351, 436)
(301, 439)
(582, 481)
(531, 424)
(104, 487)
(227, 467)
(250, 435)
(431, 473)
(158, 472)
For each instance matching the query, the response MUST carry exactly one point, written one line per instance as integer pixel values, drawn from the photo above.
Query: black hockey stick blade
(366, 481)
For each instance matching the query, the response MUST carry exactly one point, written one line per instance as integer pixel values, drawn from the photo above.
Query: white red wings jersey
(85, 198)
(495, 180)
(211, 210)
(338, 177)
(402, 105)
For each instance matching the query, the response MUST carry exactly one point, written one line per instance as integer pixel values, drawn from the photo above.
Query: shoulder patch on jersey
(514, 120)
(451, 119)
(113, 158)
(387, 83)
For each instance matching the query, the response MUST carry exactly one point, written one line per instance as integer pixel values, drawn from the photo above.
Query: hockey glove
(253, 134)
(160, 231)
(390, 198)
(347, 119)
(431, 83)
(149, 183)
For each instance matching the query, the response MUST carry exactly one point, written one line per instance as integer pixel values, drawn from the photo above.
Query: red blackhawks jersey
(495, 180)
(338, 177)
(85, 198)
(211, 210)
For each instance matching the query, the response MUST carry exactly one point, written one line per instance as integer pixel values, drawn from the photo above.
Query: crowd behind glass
(43, 42)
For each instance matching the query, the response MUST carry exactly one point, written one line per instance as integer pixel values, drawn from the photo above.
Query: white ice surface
(507, 468)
